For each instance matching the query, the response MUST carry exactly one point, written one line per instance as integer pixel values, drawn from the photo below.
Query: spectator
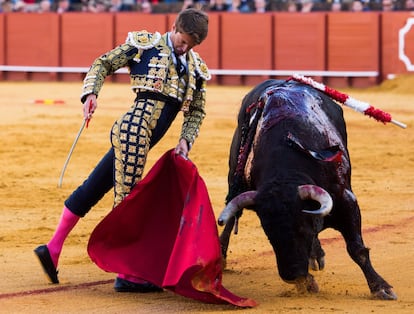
(44, 6)
(192, 4)
(6, 6)
(79, 5)
(219, 6)
(63, 6)
(29, 5)
(409, 5)
(98, 6)
(19, 6)
(242, 6)
(306, 6)
(291, 6)
(187, 4)
(260, 6)
(168, 6)
(387, 5)
(129, 5)
(146, 7)
(116, 6)
(123, 6)
(336, 6)
(234, 6)
(357, 6)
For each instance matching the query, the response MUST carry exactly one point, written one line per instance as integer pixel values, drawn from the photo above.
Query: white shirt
(183, 58)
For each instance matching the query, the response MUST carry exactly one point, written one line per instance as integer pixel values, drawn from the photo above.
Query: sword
(84, 123)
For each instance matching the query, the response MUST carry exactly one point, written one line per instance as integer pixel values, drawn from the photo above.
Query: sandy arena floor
(36, 139)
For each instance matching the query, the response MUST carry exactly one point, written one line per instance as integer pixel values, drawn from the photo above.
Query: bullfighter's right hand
(89, 106)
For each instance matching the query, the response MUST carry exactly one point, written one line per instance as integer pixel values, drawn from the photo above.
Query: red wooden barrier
(84, 37)
(209, 49)
(353, 44)
(299, 41)
(391, 24)
(32, 40)
(2, 43)
(246, 43)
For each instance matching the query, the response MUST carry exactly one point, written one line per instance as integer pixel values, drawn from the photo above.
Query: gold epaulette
(200, 66)
(143, 39)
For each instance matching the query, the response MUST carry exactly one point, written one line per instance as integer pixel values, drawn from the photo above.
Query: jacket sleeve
(194, 117)
(106, 65)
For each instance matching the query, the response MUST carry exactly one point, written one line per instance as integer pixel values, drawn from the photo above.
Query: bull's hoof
(306, 285)
(384, 294)
(317, 263)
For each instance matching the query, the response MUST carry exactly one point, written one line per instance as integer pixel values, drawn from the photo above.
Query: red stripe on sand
(54, 289)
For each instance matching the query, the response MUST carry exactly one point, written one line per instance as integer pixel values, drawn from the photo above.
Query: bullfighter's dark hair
(193, 22)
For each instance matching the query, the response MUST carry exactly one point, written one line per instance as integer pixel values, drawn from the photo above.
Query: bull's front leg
(380, 289)
(350, 227)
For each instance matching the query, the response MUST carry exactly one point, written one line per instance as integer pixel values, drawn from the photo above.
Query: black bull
(289, 163)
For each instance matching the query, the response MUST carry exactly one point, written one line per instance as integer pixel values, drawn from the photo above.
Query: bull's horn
(238, 203)
(318, 194)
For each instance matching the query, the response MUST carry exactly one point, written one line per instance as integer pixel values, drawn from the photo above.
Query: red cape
(165, 232)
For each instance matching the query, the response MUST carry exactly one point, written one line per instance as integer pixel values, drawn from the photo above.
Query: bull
(290, 164)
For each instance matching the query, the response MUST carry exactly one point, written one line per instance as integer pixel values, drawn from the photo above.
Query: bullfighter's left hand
(182, 148)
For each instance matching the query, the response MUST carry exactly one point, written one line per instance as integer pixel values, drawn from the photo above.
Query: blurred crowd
(174, 6)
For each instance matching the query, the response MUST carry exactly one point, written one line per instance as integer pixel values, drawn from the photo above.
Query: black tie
(180, 66)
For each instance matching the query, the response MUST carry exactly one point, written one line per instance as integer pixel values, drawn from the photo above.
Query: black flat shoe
(122, 285)
(42, 252)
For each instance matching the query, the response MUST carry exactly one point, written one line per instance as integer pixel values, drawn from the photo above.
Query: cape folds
(165, 232)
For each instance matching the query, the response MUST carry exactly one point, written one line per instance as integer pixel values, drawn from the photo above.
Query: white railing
(16, 68)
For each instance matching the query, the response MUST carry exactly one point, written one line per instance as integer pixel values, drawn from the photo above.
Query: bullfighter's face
(182, 42)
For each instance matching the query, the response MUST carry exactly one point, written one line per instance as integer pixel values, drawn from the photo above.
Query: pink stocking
(67, 222)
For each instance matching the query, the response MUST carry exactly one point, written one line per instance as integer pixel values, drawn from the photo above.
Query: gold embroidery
(143, 38)
(131, 144)
(131, 140)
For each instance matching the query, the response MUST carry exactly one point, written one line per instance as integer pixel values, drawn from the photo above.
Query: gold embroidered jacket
(151, 68)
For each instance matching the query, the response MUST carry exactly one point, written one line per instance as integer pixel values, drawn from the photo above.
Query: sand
(36, 139)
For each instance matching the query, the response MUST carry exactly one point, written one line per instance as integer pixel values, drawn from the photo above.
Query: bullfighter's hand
(182, 148)
(89, 106)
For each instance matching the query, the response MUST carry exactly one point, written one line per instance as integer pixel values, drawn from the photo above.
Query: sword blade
(71, 151)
